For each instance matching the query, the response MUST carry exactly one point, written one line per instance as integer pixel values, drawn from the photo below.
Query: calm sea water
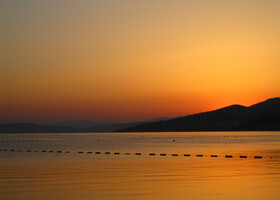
(140, 166)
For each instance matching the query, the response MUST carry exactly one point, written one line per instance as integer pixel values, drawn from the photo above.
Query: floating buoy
(107, 152)
(174, 154)
(228, 156)
(12, 150)
(187, 154)
(127, 153)
(258, 157)
(67, 151)
(242, 156)
(51, 151)
(80, 152)
(117, 153)
(18, 150)
(28, 150)
(163, 154)
(199, 155)
(44, 151)
(152, 154)
(36, 151)
(214, 156)
(59, 151)
(89, 152)
(138, 154)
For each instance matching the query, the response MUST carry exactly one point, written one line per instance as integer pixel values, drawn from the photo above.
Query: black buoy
(199, 155)
(117, 153)
(163, 154)
(89, 152)
(98, 152)
(107, 152)
(174, 154)
(242, 156)
(187, 154)
(228, 156)
(80, 152)
(138, 154)
(258, 157)
(214, 156)
(152, 154)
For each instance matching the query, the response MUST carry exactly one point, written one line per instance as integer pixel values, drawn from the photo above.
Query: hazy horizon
(112, 122)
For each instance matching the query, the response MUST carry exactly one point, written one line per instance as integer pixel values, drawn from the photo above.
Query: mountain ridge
(67, 127)
(260, 116)
(230, 118)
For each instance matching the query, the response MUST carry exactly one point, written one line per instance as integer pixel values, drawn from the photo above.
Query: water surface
(74, 171)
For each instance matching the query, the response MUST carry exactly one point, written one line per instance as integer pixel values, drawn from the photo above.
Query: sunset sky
(131, 60)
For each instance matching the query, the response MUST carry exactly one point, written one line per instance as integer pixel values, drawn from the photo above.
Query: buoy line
(129, 153)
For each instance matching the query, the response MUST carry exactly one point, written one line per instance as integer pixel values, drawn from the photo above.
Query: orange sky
(134, 60)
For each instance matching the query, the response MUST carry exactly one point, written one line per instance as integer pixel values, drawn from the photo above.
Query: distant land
(264, 116)
(74, 126)
(77, 123)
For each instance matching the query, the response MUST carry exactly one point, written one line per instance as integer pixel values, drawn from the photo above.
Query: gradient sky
(131, 60)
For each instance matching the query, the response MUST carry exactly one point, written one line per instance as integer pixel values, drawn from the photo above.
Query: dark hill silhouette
(76, 126)
(76, 123)
(34, 128)
(267, 123)
(261, 116)
(158, 119)
(268, 107)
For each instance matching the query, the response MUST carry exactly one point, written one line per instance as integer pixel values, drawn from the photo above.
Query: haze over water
(75, 175)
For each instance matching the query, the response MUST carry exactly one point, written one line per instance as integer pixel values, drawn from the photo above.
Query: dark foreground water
(216, 165)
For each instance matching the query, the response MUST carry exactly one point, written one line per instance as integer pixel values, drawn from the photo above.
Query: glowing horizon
(121, 61)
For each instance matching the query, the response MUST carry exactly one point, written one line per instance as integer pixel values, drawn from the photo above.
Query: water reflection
(30, 176)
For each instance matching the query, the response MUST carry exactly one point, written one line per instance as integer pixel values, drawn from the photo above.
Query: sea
(137, 166)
